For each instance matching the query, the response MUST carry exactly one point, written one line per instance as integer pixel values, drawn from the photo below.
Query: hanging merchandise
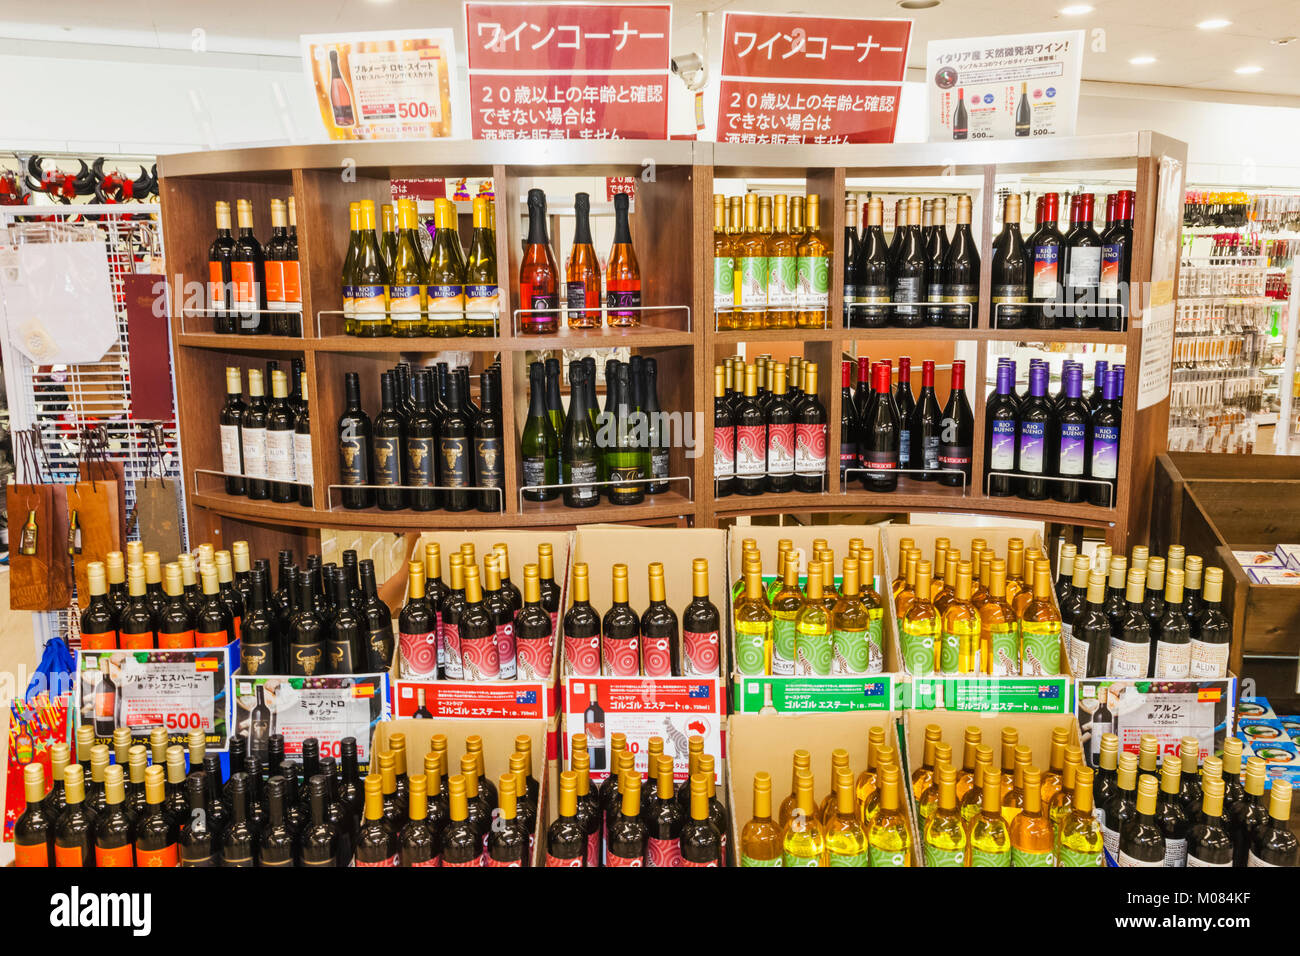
(94, 526)
(57, 300)
(40, 567)
(156, 499)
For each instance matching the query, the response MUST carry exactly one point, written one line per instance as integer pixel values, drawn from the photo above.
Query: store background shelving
(672, 232)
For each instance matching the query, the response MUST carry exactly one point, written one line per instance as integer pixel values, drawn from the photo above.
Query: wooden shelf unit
(672, 233)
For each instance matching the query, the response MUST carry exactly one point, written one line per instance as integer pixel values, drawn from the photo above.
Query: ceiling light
(919, 4)
(1245, 70)
(1142, 60)
(1213, 24)
(1076, 9)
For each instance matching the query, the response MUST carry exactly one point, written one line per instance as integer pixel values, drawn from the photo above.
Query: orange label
(173, 642)
(216, 294)
(117, 856)
(274, 282)
(215, 639)
(243, 280)
(167, 856)
(292, 283)
(238, 623)
(136, 642)
(67, 856)
(107, 641)
(34, 854)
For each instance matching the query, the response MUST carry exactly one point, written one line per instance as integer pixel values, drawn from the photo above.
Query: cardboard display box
(498, 743)
(768, 741)
(801, 694)
(975, 692)
(509, 698)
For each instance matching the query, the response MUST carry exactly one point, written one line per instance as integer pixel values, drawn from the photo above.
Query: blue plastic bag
(55, 672)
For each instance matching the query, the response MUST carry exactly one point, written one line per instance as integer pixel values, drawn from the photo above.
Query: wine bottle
(879, 437)
(811, 435)
(1011, 270)
(1081, 264)
(354, 447)
(1037, 422)
(956, 432)
(454, 451)
(780, 416)
(961, 272)
(1171, 647)
(1116, 261)
(248, 276)
(751, 439)
(1103, 445)
(540, 448)
(1170, 816)
(812, 280)
(220, 284)
(960, 118)
(482, 294)
(724, 265)
(1208, 841)
(99, 620)
(231, 424)
(252, 435)
(889, 836)
(34, 829)
(1142, 843)
(566, 840)
(428, 298)
(622, 273)
(370, 279)
(909, 271)
(872, 280)
(1040, 628)
(538, 276)
(137, 626)
(1046, 246)
(782, 269)
(925, 428)
(660, 645)
(851, 252)
(620, 649)
(1090, 635)
(1000, 427)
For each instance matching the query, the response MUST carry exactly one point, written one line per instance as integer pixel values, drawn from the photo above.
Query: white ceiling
(1118, 29)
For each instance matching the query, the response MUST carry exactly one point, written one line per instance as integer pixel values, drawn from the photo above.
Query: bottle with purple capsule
(1103, 454)
(1000, 434)
(1037, 421)
(1072, 444)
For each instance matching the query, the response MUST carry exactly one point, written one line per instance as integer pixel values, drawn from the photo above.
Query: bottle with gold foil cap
(1078, 834)
(812, 290)
(508, 842)
(929, 798)
(1142, 843)
(970, 803)
(700, 842)
(960, 650)
(846, 838)
(946, 839)
(869, 779)
(1015, 800)
(1031, 832)
(1173, 822)
(1121, 807)
(34, 829)
(1053, 778)
(999, 626)
(1251, 813)
(1040, 628)
(99, 619)
(990, 837)
(1189, 787)
(590, 813)
(114, 833)
(1212, 631)
(760, 839)
(826, 809)
(802, 839)
(1171, 651)
(923, 775)
(921, 629)
(74, 832)
(1208, 842)
(1062, 801)
(889, 837)
(96, 798)
(157, 829)
(1104, 784)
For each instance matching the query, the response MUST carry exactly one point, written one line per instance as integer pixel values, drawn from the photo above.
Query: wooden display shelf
(672, 232)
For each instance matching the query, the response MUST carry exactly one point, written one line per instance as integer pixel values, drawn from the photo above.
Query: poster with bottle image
(179, 690)
(387, 85)
(326, 708)
(1004, 87)
(1171, 710)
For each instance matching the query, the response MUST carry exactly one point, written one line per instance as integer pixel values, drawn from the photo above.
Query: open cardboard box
(768, 741)
(974, 691)
(498, 743)
(1035, 732)
(498, 698)
(671, 707)
(803, 693)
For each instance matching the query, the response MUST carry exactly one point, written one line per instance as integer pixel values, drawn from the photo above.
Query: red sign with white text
(568, 70)
(522, 700)
(798, 79)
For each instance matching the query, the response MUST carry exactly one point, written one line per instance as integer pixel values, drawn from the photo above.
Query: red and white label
(656, 657)
(620, 658)
(663, 853)
(556, 861)
(516, 699)
(700, 654)
(582, 656)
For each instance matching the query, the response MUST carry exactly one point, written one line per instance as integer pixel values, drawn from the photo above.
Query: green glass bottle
(990, 837)
(406, 290)
(813, 630)
(369, 280)
(446, 275)
(540, 448)
(482, 296)
(349, 269)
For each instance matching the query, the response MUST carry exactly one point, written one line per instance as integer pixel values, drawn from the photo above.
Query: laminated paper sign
(1004, 87)
(327, 708)
(568, 70)
(1171, 710)
(802, 79)
(389, 85)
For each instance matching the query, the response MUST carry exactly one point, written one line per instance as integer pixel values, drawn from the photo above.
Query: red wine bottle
(780, 435)
(620, 648)
(879, 436)
(566, 841)
(1000, 434)
(810, 436)
(1045, 248)
(849, 423)
(957, 432)
(925, 427)
(1081, 265)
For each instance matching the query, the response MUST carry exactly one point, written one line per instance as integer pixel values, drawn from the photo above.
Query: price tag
(327, 708)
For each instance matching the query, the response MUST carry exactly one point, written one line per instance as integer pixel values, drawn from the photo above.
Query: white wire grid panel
(62, 400)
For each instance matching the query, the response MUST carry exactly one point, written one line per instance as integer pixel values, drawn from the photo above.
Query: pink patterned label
(582, 656)
(751, 450)
(556, 861)
(663, 853)
(593, 847)
(780, 449)
(492, 862)
(622, 657)
(689, 863)
(479, 658)
(506, 649)
(555, 621)
(451, 657)
(657, 657)
(477, 861)
(534, 658)
(810, 449)
(435, 861)
(419, 654)
(700, 656)
(613, 860)
(391, 861)
(724, 452)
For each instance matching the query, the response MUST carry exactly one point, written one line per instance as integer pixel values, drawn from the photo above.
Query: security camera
(686, 64)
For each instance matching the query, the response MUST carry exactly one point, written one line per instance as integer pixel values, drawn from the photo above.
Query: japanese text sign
(1003, 87)
(568, 70)
(328, 709)
(799, 79)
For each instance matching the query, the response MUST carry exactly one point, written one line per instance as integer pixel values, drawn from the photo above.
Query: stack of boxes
(1274, 739)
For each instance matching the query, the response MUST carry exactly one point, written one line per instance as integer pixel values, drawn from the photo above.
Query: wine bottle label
(934, 291)
(785, 637)
(1040, 648)
(354, 461)
(216, 286)
(813, 283)
(814, 651)
(751, 450)
(582, 656)
(885, 857)
(419, 658)
(870, 295)
(292, 285)
(578, 472)
(1126, 860)
(789, 859)
(231, 463)
(751, 645)
(483, 299)
(142, 641)
(929, 452)
(880, 460)
(531, 297)
(206, 639)
(620, 657)
(989, 858)
(1046, 267)
(659, 463)
(1193, 860)
(954, 456)
(810, 450)
(1251, 860)
(302, 467)
(1110, 840)
(454, 455)
(1173, 660)
(420, 462)
(780, 449)
(479, 656)
(1002, 447)
(535, 471)
(1016, 293)
(656, 657)
(595, 843)
(390, 861)
(1031, 447)
(1208, 661)
(851, 652)
(33, 854)
(1108, 285)
(1128, 659)
(169, 642)
(782, 280)
(274, 285)
(505, 635)
(1105, 451)
(167, 856)
(1003, 645)
(1084, 271)
(446, 302)
(700, 653)
(1175, 851)
(370, 302)
(623, 300)
(349, 301)
(244, 291)
(102, 641)
(1078, 656)
(752, 274)
(1031, 858)
(114, 856)
(907, 289)
(254, 442)
(388, 461)
(580, 298)
(1074, 437)
(449, 650)
(405, 302)
(944, 856)
(959, 653)
(68, 856)
(489, 460)
(563, 861)
(724, 452)
(918, 639)
(255, 658)
(613, 859)
(904, 448)
(747, 861)
(534, 657)
(379, 644)
(305, 659)
(279, 456)
(1080, 858)
(724, 283)
(960, 293)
